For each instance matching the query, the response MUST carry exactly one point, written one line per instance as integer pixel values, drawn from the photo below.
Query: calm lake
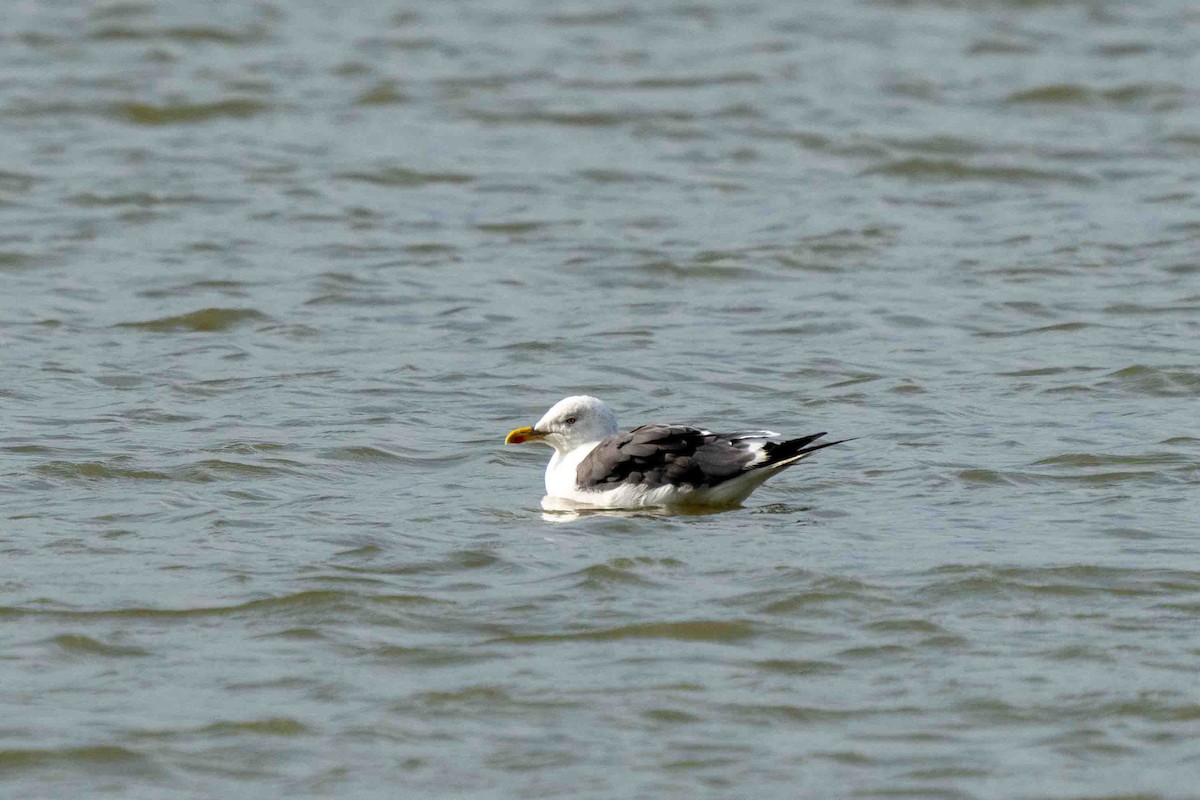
(277, 278)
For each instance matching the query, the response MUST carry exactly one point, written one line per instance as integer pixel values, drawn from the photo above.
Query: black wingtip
(785, 451)
(827, 444)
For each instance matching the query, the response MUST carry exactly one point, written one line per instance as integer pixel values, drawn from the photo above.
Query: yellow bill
(522, 435)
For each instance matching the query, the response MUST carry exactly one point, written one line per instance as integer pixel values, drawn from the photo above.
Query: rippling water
(278, 278)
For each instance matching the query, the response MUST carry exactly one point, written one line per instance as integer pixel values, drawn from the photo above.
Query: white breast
(561, 471)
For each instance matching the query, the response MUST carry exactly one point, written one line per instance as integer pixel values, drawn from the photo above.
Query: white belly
(561, 482)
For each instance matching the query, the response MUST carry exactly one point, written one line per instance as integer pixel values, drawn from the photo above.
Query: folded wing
(680, 455)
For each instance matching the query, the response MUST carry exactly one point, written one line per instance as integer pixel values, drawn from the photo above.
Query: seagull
(654, 465)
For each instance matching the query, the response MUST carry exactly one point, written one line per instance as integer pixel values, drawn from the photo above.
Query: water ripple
(189, 113)
(718, 631)
(206, 320)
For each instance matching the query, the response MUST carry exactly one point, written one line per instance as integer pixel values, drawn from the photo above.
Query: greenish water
(277, 279)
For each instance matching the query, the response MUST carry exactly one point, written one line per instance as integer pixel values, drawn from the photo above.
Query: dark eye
(569, 420)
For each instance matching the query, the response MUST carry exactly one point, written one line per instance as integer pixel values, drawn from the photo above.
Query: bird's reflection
(560, 509)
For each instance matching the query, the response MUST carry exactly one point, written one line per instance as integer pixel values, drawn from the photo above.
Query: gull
(654, 465)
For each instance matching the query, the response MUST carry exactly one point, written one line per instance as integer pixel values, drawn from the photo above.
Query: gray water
(278, 278)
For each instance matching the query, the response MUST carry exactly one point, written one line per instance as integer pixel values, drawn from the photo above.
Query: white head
(571, 422)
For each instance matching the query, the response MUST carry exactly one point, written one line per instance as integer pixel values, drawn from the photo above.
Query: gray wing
(667, 455)
(680, 455)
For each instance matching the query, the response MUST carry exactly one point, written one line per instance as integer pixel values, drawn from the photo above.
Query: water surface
(278, 279)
